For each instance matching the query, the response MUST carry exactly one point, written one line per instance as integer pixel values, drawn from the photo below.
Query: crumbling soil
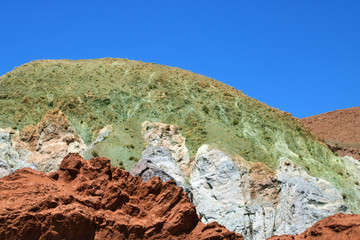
(340, 226)
(340, 129)
(92, 200)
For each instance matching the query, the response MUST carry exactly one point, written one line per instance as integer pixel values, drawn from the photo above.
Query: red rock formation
(92, 200)
(340, 129)
(340, 226)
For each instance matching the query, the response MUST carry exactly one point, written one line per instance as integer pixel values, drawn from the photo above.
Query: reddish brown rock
(340, 129)
(340, 226)
(92, 200)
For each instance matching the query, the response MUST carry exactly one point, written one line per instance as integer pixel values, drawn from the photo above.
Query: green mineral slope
(124, 93)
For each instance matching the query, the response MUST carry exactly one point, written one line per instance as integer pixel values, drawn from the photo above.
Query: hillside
(124, 93)
(340, 129)
(339, 126)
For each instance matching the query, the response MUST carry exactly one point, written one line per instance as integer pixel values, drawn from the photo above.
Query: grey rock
(11, 159)
(5, 169)
(166, 135)
(158, 161)
(220, 191)
(258, 203)
(303, 199)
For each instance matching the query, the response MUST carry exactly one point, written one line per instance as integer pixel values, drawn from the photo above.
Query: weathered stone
(10, 158)
(158, 162)
(219, 191)
(303, 200)
(160, 134)
(45, 145)
(93, 200)
(49, 141)
(257, 202)
(5, 169)
(339, 226)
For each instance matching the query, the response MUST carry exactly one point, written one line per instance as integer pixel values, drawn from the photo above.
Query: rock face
(257, 202)
(157, 161)
(10, 159)
(49, 141)
(92, 200)
(160, 134)
(303, 200)
(340, 129)
(43, 146)
(340, 226)
(248, 198)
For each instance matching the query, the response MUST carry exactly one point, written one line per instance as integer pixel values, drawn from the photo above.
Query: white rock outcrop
(10, 158)
(257, 202)
(160, 134)
(157, 161)
(248, 198)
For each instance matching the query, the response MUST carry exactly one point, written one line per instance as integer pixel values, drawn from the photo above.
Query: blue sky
(302, 57)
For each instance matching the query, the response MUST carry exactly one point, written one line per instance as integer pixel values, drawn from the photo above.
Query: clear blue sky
(302, 57)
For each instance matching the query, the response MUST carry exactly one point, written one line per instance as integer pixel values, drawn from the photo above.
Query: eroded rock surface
(43, 146)
(157, 161)
(160, 134)
(303, 200)
(49, 141)
(10, 158)
(248, 198)
(340, 226)
(257, 202)
(92, 200)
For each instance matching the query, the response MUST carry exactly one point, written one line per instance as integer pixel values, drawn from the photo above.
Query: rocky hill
(340, 129)
(93, 200)
(245, 197)
(124, 94)
(96, 93)
(62, 205)
(254, 169)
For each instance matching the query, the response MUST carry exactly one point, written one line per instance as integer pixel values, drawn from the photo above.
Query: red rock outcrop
(340, 129)
(340, 226)
(92, 200)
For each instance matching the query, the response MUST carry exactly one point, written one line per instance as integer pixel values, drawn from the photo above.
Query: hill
(124, 93)
(340, 129)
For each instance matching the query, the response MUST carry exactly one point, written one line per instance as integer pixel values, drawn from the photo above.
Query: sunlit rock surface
(159, 134)
(157, 161)
(11, 159)
(93, 200)
(257, 202)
